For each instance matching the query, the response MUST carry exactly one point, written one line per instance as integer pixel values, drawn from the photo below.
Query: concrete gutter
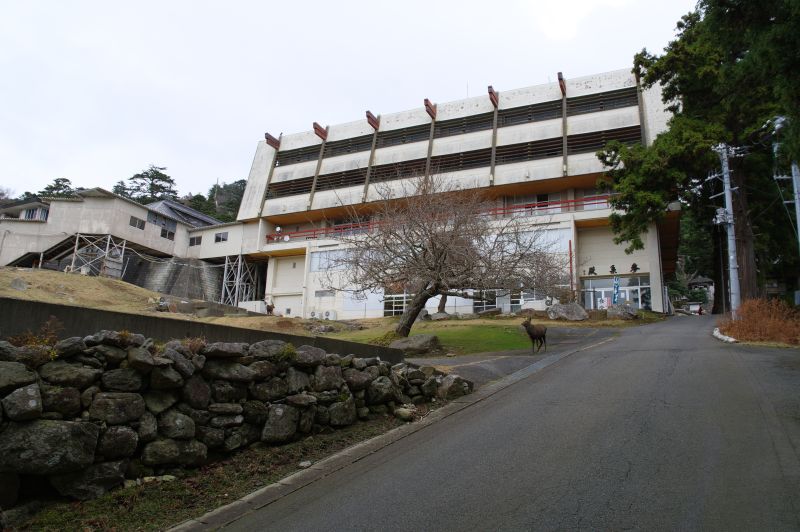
(265, 496)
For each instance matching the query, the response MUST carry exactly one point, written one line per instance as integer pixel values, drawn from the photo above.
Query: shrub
(194, 344)
(47, 334)
(385, 339)
(764, 320)
(288, 354)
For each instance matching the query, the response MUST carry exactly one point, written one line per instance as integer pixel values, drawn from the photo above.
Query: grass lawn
(457, 336)
(157, 506)
(474, 335)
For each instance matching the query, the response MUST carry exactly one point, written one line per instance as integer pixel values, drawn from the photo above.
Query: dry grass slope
(763, 320)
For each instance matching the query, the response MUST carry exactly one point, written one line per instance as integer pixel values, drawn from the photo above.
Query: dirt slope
(110, 294)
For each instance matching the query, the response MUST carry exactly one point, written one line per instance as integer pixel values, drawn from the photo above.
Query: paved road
(483, 368)
(662, 428)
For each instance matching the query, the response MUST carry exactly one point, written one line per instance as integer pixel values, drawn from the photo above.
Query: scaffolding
(98, 255)
(239, 281)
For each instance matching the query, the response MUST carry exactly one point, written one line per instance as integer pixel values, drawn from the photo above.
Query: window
(327, 260)
(405, 135)
(488, 302)
(298, 155)
(220, 237)
(598, 292)
(162, 221)
(593, 200)
(395, 304)
(536, 203)
(603, 101)
(529, 113)
(166, 233)
(467, 124)
(351, 145)
(324, 293)
(290, 188)
(596, 140)
(195, 240)
(138, 223)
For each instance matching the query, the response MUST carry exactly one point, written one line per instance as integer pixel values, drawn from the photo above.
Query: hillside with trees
(731, 70)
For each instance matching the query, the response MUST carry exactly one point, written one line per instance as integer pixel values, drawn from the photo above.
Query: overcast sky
(95, 91)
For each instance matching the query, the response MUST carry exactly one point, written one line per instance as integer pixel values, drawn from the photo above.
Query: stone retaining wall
(90, 412)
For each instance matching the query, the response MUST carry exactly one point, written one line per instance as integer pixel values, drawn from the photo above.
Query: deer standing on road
(537, 333)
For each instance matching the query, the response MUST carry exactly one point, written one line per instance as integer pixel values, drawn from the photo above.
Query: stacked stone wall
(88, 413)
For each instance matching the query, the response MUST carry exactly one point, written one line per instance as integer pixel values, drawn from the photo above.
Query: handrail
(535, 209)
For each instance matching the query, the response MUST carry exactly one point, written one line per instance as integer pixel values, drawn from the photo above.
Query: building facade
(532, 149)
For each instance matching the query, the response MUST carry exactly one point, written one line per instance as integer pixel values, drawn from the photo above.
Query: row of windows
(167, 229)
(36, 213)
(511, 153)
(138, 223)
(593, 103)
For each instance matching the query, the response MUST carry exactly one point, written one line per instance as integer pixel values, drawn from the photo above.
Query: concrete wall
(82, 321)
(92, 216)
(256, 188)
(478, 177)
(185, 278)
(597, 248)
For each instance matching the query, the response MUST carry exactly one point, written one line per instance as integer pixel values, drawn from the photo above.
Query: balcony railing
(541, 208)
(551, 207)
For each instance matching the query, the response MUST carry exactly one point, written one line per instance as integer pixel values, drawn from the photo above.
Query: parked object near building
(531, 149)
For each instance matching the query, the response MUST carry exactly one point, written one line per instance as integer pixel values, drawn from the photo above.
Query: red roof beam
(321, 132)
(494, 96)
(272, 141)
(430, 108)
(373, 120)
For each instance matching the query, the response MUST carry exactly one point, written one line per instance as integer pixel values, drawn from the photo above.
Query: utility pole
(796, 185)
(725, 216)
(777, 124)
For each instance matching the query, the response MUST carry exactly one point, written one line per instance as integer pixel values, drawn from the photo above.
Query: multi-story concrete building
(532, 148)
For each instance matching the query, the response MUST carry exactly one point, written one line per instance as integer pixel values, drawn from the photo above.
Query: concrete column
(430, 143)
(370, 163)
(269, 177)
(494, 146)
(642, 120)
(316, 170)
(564, 146)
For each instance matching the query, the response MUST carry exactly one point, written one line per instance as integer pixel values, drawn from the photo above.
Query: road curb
(265, 496)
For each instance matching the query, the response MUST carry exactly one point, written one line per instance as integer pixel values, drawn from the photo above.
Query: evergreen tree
(59, 188)
(715, 86)
(226, 199)
(152, 185)
(121, 189)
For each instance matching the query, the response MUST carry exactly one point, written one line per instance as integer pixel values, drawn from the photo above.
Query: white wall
(597, 248)
(92, 215)
(256, 182)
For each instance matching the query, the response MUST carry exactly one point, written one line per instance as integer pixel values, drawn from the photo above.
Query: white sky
(95, 91)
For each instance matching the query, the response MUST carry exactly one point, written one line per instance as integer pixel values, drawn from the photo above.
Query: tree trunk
(745, 241)
(442, 304)
(412, 310)
(720, 270)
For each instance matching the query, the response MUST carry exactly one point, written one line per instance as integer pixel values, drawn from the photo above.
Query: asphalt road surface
(660, 428)
(483, 368)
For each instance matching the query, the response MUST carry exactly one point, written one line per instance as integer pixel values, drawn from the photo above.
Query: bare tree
(431, 239)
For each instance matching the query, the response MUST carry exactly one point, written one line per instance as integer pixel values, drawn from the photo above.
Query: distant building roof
(699, 280)
(17, 206)
(183, 213)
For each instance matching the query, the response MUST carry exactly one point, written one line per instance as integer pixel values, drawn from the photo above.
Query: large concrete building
(532, 148)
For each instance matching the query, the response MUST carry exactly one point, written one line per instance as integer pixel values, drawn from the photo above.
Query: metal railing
(541, 208)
